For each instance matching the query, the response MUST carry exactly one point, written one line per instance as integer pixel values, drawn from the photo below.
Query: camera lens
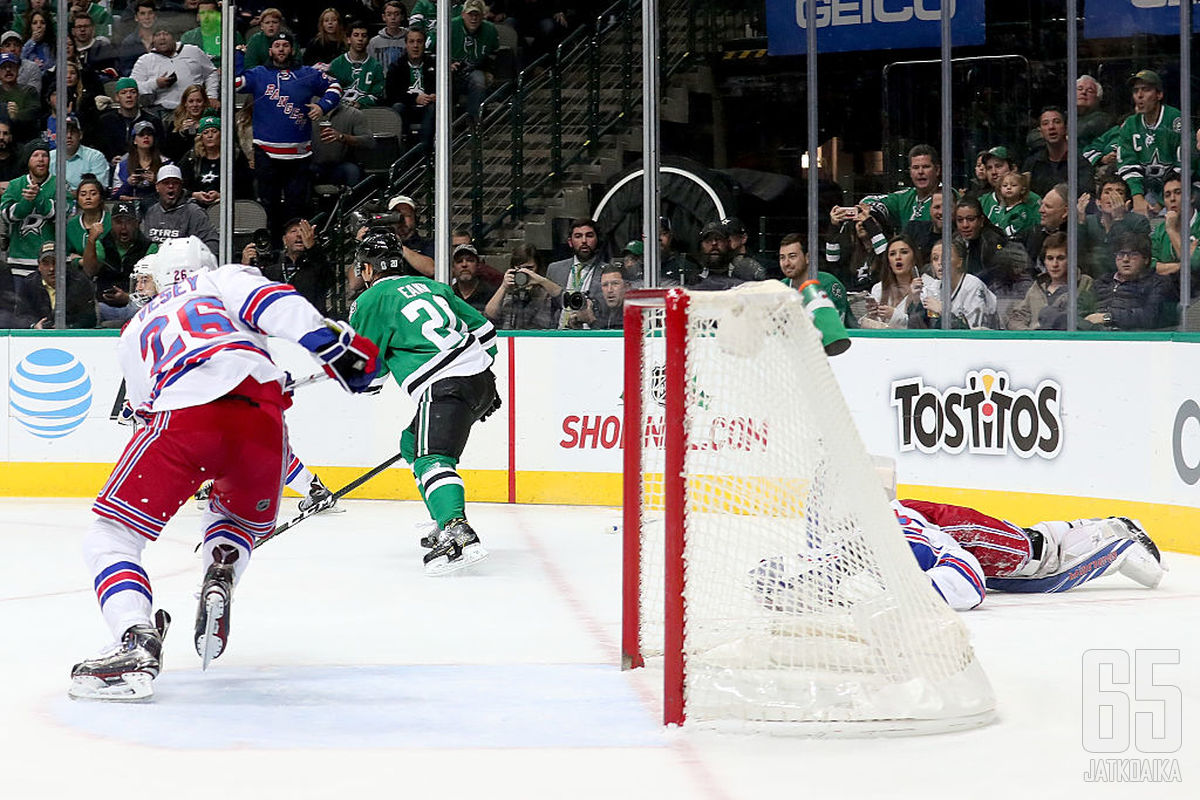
(573, 301)
(520, 279)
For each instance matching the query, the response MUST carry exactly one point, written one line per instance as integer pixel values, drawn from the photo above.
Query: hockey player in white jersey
(199, 377)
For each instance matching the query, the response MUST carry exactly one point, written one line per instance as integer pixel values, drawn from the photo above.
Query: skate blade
(209, 644)
(135, 687)
(471, 554)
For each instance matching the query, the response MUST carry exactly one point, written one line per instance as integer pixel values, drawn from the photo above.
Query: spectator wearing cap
(466, 281)
(418, 251)
(387, 46)
(715, 266)
(134, 174)
(282, 127)
(473, 45)
(201, 165)
(300, 262)
(114, 128)
(81, 159)
(633, 256)
(10, 162)
(999, 162)
(27, 205)
(258, 46)
(29, 72)
(140, 40)
(676, 268)
(580, 272)
(115, 256)
(743, 263)
(462, 235)
(38, 295)
(163, 73)
(175, 215)
(20, 103)
(1148, 143)
(340, 146)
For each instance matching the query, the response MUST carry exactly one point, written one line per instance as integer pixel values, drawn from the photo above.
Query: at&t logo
(49, 393)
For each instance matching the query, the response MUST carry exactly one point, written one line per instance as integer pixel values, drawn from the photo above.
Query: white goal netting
(803, 603)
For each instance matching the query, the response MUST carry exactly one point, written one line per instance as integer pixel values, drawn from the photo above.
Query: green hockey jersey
(1146, 153)
(904, 206)
(424, 331)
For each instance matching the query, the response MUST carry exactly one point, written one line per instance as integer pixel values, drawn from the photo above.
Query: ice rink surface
(350, 674)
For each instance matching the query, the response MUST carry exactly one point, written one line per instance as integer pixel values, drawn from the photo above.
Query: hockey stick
(296, 383)
(349, 487)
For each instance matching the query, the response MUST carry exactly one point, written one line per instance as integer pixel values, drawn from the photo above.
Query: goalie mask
(383, 251)
(175, 260)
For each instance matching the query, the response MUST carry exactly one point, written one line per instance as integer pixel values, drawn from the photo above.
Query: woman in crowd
(972, 305)
(134, 174)
(23, 21)
(894, 294)
(86, 228)
(855, 245)
(39, 48)
(523, 300)
(330, 41)
(184, 123)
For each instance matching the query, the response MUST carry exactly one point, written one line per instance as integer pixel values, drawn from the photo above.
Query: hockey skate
(1142, 561)
(457, 547)
(431, 534)
(127, 671)
(202, 495)
(318, 501)
(212, 614)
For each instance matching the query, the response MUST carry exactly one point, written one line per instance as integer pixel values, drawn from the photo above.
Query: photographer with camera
(579, 276)
(301, 262)
(524, 300)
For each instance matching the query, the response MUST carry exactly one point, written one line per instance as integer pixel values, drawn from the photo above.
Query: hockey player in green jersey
(1148, 146)
(440, 352)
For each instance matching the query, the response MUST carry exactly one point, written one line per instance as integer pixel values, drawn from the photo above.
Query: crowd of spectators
(142, 131)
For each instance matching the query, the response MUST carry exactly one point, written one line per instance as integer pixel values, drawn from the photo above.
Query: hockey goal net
(763, 564)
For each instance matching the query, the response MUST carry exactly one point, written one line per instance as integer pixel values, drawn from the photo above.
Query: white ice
(350, 674)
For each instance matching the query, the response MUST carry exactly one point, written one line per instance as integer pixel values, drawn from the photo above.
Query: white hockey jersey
(956, 574)
(199, 338)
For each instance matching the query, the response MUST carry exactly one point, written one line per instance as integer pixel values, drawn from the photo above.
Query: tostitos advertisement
(1022, 427)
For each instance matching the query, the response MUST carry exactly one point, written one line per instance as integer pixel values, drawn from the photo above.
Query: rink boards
(1027, 427)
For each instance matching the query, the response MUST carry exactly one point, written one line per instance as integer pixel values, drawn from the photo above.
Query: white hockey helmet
(175, 259)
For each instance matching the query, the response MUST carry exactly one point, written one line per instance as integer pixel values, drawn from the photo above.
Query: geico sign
(1189, 411)
(986, 416)
(832, 13)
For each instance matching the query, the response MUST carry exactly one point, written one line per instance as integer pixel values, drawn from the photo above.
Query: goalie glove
(350, 359)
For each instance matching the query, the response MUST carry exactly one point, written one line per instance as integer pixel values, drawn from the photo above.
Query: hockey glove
(350, 359)
(492, 409)
(128, 416)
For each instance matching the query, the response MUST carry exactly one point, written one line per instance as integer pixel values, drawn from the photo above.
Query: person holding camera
(301, 262)
(524, 300)
(579, 275)
(167, 70)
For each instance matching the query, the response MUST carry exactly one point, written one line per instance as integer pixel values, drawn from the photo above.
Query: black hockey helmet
(383, 250)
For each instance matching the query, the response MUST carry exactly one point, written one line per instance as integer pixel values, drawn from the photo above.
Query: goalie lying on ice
(963, 550)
